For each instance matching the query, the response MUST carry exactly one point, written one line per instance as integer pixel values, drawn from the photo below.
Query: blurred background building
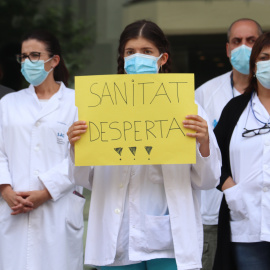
(89, 30)
(196, 30)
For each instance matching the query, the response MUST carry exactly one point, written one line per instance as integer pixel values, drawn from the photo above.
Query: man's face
(242, 33)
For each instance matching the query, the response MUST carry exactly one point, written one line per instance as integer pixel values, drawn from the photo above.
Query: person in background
(213, 96)
(243, 134)
(147, 217)
(10, 75)
(7, 69)
(4, 90)
(41, 220)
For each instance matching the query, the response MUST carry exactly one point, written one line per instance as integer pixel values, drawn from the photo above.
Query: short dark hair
(150, 31)
(261, 42)
(242, 20)
(60, 72)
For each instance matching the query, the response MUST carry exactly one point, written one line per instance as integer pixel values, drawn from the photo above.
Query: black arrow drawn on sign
(148, 149)
(119, 150)
(133, 150)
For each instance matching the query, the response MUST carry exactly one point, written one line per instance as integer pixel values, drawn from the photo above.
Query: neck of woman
(47, 89)
(264, 96)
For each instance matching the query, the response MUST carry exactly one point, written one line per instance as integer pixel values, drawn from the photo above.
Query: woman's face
(37, 51)
(144, 46)
(264, 55)
(262, 70)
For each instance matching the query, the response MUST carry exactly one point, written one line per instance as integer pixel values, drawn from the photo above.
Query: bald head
(249, 22)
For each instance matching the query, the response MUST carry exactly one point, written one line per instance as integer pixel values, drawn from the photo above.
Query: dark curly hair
(149, 31)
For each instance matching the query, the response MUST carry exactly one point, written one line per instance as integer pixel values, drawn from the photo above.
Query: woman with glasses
(244, 139)
(41, 221)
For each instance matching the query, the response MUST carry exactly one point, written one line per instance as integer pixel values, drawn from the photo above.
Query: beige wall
(175, 17)
(198, 17)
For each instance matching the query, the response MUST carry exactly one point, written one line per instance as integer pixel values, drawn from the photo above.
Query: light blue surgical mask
(240, 59)
(141, 64)
(263, 73)
(35, 73)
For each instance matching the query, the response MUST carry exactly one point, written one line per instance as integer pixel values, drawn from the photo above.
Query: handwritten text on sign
(135, 119)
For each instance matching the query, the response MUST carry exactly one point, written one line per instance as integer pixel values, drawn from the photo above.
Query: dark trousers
(252, 256)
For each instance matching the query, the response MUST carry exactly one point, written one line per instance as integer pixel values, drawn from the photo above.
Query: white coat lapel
(52, 104)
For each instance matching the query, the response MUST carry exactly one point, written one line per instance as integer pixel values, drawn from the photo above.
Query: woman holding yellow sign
(147, 216)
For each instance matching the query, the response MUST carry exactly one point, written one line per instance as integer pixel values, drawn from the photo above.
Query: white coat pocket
(236, 203)
(74, 217)
(158, 233)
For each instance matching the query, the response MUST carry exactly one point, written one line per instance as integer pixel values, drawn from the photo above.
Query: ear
(55, 61)
(164, 58)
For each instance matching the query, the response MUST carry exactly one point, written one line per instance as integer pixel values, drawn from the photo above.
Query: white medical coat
(33, 155)
(182, 182)
(213, 96)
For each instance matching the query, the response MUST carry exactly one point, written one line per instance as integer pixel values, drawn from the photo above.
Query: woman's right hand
(228, 183)
(75, 131)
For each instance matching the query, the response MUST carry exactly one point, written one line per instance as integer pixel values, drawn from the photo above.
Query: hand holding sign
(78, 128)
(199, 125)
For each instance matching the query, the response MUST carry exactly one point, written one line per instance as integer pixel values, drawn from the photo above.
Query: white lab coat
(249, 199)
(182, 184)
(33, 155)
(213, 96)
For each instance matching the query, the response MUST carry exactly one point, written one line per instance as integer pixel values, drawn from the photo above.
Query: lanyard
(254, 112)
(232, 84)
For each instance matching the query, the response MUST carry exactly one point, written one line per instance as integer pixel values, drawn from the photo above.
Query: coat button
(265, 189)
(37, 124)
(36, 172)
(117, 211)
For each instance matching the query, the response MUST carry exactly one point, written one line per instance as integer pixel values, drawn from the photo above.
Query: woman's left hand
(198, 124)
(37, 197)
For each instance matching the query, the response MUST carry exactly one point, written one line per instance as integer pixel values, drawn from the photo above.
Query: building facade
(196, 30)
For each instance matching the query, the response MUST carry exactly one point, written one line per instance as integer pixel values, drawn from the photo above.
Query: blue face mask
(263, 73)
(240, 59)
(35, 73)
(141, 64)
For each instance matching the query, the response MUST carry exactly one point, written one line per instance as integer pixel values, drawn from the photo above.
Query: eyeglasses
(257, 131)
(32, 56)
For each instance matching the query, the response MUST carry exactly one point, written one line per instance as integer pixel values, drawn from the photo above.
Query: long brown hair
(150, 31)
(261, 42)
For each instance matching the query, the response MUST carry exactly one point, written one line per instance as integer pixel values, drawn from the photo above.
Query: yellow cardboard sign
(135, 119)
